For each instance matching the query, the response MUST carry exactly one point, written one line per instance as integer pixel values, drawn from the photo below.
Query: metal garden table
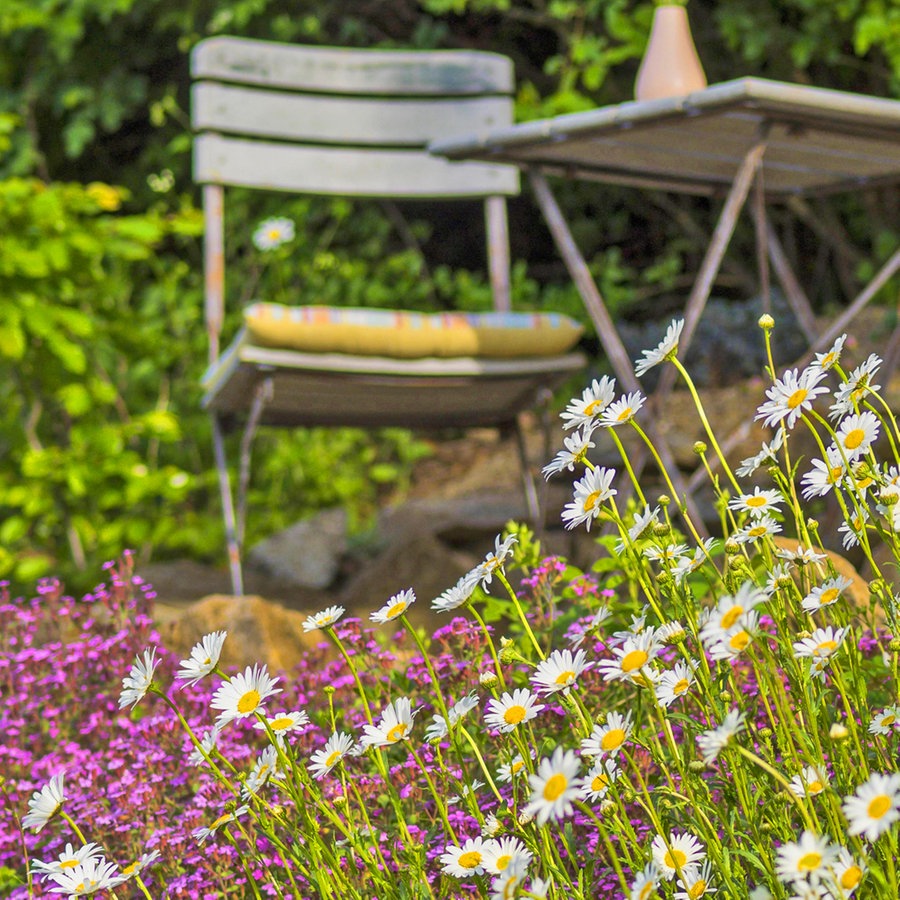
(773, 139)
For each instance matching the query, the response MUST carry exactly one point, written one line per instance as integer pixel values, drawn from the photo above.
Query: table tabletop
(818, 141)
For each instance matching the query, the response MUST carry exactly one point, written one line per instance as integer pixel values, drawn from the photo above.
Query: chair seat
(342, 389)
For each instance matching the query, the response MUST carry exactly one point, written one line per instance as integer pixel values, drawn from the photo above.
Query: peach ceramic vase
(670, 67)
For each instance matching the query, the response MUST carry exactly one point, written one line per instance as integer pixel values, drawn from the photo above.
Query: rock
(307, 554)
(259, 631)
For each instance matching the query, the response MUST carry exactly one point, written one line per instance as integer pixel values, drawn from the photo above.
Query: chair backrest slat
(353, 122)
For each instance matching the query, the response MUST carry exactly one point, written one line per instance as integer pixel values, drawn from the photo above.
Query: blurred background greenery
(102, 442)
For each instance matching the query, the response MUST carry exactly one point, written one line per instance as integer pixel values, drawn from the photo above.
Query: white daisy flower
(848, 872)
(853, 528)
(831, 357)
(595, 785)
(494, 561)
(801, 556)
(645, 883)
(201, 834)
(458, 595)
(623, 410)
(501, 853)
(516, 766)
(68, 859)
(491, 826)
(581, 631)
(825, 594)
(461, 862)
(820, 646)
(139, 865)
(607, 739)
(395, 607)
(324, 619)
(756, 529)
(731, 610)
(811, 781)
(805, 861)
(874, 807)
(643, 522)
(508, 885)
(697, 882)
(395, 725)
(688, 564)
(45, 804)
(594, 400)
(760, 502)
(856, 433)
(208, 743)
(439, 728)
(824, 475)
(88, 877)
(203, 659)
(591, 491)
(137, 682)
(243, 694)
(559, 671)
(666, 348)
(859, 383)
(336, 748)
(631, 659)
(768, 454)
(790, 395)
(575, 448)
(679, 852)
(729, 643)
(885, 721)
(283, 723)
(272, 233)
(779, 577)
(714, 741)
(674, 684)
(665, 554)
(264, 768)
(554, 787)
(511, 710)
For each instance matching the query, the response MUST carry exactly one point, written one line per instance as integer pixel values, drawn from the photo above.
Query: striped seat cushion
(409, 335)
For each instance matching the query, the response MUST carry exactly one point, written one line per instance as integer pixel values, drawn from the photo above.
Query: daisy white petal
(203, 659)
(395, 607)
(874, 807)
(272, 233)
(594, 400)
(244, 693)
(461, 862)
(811, 781)
(336, 748)
(503, 852)
(324, 619)
(856, 433)
(791, 395)
(395, 725)
(511, 710)
(666, 349)
(885, 721)
(622, 410)
(677, 853)
(201, 834)
(560, 670)
(575, 448)
(592, 490)
(806, 861)
(88, 877)
(608, 739)
(828, 592)
(458, 595)
(45, 804)
(283, 723)
(713, 742)
(69, 858)
(136, 684)
(595, 785)
(554, 787)
(645, 883)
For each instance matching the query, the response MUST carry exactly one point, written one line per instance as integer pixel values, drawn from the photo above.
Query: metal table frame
(777, 140)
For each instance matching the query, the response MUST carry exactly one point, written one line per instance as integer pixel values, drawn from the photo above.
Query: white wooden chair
(353, 123)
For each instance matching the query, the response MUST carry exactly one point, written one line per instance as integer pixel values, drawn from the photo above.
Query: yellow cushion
(409, 335)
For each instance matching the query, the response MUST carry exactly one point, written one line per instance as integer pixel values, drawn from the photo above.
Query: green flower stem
(71, 823)
(140, 883)
(628, 467)
(434, 679)
(775, 774)
(329, 633)
(521, 613)
(438, 799)
(491, 647)
(698, 404)
(481, 762)
(604, 836)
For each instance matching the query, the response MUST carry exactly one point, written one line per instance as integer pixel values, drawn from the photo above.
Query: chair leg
(262, 395)
(231, 533)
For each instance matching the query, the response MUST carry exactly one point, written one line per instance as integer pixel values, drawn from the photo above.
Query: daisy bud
(660, 529)
(329, 689)
(812, 524)
(784, 581)
(725, 696)
(894, 645)
(664, 500)
(766, 322)
(838, 732)
(487, 679)
(773, 471)
(888, 497)
(732, 547)
(697, 766)
(340, 800)
(700, 448)
(765, 732)
(663, 578)
(524, 819)
(607, 806)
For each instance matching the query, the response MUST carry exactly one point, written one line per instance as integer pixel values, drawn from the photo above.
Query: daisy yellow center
(732, 616)
(625, 415)
(834, 475)
(888, 720)
(600, 782)
(516, 766)
(503, 861)
(815, 787)
(612, 740)
(274, 234)
(824, 648)
(470, 859)
(675, 858)
(697, 889)
(646, 891)
(828, 360)
(333, 757)
(863, 483)
(129, 870)
(397, 733)
(68, 864)
(797, 398)
(396, 609)
(680, 687)
(854, 438)
(828, 596)
(555, 786)
(566, 677)
(757, 531)
(281, 723)
(809, 862)
(878, 806)
(756, 501)
(634, 660)
(591, 408)
(248, 702)
(851, 878)
(207, 661)
(739, 641)
(514, 715)
(591, 501)
(220, 821)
